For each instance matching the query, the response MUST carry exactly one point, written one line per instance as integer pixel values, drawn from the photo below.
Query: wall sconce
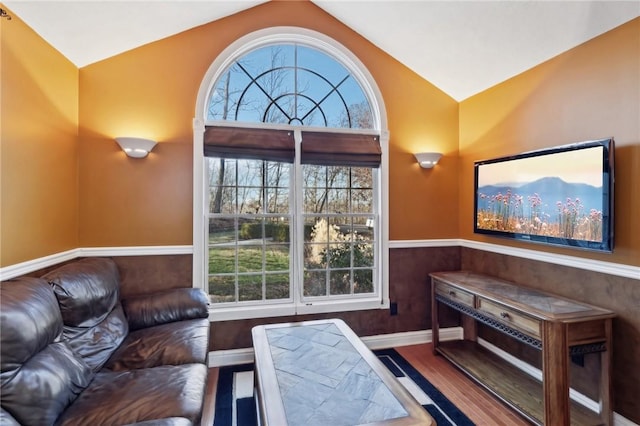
(136, 147)
(428, 159)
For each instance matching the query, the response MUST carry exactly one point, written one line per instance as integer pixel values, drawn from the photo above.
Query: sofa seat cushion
(174, 343)
(129, 397)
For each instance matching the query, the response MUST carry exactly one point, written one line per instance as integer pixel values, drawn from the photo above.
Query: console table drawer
(455, 294)
(510, 317)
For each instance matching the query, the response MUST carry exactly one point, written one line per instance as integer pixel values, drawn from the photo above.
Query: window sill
(290, 309)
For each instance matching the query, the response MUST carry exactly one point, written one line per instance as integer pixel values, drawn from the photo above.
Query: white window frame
(200, 214)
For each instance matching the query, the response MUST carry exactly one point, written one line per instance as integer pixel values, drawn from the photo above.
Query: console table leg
(555, 370)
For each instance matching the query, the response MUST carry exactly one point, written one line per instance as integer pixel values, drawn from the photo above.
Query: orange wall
(151, 92)
(589, 92)
(38, 173)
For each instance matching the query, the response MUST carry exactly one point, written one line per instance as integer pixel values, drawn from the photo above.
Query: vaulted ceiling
(462, 47)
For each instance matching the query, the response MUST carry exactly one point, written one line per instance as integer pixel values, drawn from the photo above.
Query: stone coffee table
(320, 373)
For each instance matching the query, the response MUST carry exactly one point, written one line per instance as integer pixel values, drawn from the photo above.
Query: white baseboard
(618, 420)
(408, 338)
(383, 341)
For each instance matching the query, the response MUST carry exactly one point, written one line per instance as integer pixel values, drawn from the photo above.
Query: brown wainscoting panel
(143, 274)
(620, 294)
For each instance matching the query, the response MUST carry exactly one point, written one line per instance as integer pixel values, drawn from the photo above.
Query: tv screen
(560, 196)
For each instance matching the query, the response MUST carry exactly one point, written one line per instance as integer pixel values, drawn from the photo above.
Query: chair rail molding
(610, 268)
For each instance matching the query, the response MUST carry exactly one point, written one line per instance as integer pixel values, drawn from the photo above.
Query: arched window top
(290, 83)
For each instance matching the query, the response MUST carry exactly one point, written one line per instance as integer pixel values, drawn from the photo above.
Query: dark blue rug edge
(441, 401)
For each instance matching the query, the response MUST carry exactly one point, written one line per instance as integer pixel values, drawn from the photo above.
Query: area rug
(235, 404)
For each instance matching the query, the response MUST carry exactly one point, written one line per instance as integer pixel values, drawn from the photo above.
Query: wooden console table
(557, 326)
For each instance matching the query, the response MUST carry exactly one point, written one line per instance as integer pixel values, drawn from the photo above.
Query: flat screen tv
(561, 196)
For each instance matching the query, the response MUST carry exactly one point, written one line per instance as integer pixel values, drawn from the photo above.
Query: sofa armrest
(166, 306)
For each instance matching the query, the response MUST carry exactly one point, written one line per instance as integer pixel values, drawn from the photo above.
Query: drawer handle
(504, 315)
(452, 293)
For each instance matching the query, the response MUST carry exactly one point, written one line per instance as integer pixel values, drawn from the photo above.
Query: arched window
(292, 194)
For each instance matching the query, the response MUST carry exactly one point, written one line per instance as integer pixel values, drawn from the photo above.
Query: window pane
(363, 228)
(316, 229)
(222, 260)
(338, 201)
(222, 178)
(277, 200)
(222, 199)
(221, 171)
(251, 230)
(340, 282)
(250, 258)
(277, 257)
(314, 176)
(340, 255)
(362, 255)
(315, 256)
(224, 98)
(362, 177)
(277, 286)
(249, 173)
(340, 229)
(315, 200)
(361, 201)
(222, 288)
(315, 283)
(249, 287)
(222, 230)
(338, 177)
(277, 230)
(363, 281)
(249, 200)
(336, 111)
(277, 174)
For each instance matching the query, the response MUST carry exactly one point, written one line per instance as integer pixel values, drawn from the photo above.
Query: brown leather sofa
(74, 353)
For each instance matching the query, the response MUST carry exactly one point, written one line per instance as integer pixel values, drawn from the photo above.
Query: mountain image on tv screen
(558, 195)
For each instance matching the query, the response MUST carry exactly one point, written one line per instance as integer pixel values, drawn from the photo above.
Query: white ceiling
(462, 47)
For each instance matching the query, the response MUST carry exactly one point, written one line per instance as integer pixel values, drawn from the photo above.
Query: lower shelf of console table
(510, 384)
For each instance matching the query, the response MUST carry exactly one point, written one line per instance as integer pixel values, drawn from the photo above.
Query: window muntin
(290, 84)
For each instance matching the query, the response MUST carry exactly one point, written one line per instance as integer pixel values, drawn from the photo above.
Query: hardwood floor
(479, 405)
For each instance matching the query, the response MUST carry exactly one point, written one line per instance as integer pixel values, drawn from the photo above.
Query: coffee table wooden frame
(269, 400)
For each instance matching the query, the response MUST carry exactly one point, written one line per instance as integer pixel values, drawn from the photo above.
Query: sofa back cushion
(88, 292)
(40, 374)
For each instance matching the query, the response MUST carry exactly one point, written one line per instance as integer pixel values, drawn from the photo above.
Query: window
(293, 189)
